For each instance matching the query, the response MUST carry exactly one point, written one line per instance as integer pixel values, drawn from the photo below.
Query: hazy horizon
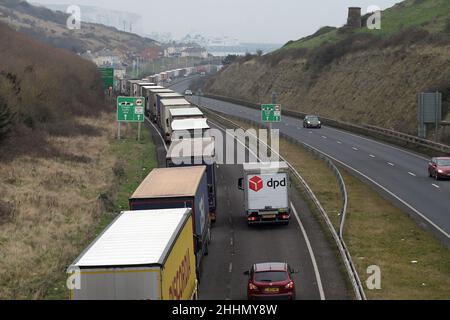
(260, 21)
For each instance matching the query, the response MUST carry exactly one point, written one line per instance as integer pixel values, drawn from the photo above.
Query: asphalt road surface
(236, 246)
(400, 174)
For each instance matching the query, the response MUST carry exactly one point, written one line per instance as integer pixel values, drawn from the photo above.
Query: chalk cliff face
(50, 27)
(372, 86)
(353, 74)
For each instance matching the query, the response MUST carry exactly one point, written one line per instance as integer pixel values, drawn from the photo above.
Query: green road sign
(130, 109)
(107, 77)
(271, 113)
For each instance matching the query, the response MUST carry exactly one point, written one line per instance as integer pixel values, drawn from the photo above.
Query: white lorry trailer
(164, 112)
(145, 92)
(194, 152)
(141, 85)
(165, 95)
(181, 187)
(150, 100)
(185, 113)
(188, 128)
(266, 192)
(141, 255)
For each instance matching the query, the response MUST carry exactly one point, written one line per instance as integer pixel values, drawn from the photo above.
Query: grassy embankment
(63, 176)
(414, 264)
(133, 160)
(431, 15)
(60, 204)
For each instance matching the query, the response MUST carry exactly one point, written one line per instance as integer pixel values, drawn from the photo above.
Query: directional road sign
(270, 112)
(107, 77)
(130, 109)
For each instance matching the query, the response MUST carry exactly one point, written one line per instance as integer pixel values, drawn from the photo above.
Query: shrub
(6, 119)
(41, 85)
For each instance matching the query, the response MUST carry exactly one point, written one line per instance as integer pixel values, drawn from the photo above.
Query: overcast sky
(274, 21)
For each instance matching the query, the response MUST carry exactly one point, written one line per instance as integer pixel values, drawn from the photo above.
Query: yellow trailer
(141, 255)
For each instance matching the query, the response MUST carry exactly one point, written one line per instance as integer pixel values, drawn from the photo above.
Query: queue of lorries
(154, 251)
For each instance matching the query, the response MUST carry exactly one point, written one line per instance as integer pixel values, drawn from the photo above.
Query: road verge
(413, 264)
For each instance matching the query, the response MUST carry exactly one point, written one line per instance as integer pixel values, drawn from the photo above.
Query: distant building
(103, 57)
(174, 51)
(151, 53)
(354, 19)
(196, 52)
(106, 57)
(87, 55)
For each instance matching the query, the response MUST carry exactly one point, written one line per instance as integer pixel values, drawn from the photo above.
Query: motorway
(235, 246)
(400, 174)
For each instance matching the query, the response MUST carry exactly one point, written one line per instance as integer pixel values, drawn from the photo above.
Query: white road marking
(371, 155)
(412, 174)
(386, 190)
(356, 149)
(311, 253)
(380, 143)
(378, 184)
(230, 267)
(339, 142)
(305, 236)
(324, 137)
(436, 186)
(391, 164)
(309, 131)
(159, 133)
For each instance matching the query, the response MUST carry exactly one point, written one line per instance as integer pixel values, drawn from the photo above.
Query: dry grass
(377, 233)
(54, 204)
(318, 176)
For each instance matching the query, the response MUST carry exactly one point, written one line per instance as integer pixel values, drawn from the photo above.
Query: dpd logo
(255, 183)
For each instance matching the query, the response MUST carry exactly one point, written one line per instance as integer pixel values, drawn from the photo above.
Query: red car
(270, 280)
(439, 168)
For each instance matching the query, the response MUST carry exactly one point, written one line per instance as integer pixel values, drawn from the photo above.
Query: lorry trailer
(165, 95)
(149, 94)
(195, 152)
(185, 113)
(188, 128)
(141, 85)
(141, 255)
(164, 112)
(182, 187)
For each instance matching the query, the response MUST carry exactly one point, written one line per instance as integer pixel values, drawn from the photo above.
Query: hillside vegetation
(359, 75)
(50, 27)
(58, 174)
(42, 88)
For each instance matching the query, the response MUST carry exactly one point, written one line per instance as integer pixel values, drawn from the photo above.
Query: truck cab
(266, 192)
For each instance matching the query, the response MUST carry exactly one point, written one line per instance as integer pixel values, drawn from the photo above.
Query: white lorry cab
(266, 192)
(188, 128)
